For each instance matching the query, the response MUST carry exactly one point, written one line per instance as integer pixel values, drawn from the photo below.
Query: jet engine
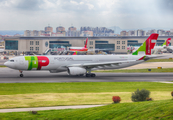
(76, 71)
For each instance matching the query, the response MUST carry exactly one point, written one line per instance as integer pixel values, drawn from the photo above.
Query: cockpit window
(11, 60)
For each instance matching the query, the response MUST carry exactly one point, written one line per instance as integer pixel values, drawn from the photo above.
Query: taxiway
(8, 75)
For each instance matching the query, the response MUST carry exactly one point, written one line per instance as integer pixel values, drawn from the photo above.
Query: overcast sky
(127, 14)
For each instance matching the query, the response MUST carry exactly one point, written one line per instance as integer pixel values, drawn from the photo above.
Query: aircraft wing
(156, 56)
(92, 65)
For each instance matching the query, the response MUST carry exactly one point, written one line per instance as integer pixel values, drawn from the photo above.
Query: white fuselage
(62, 62)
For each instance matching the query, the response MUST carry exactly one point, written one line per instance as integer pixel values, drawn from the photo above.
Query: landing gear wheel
(88, 75)
(93, 75)
(21, 75)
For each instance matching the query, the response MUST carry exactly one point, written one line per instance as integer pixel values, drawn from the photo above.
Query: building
(98, 31)
(114, 45)
(141, 33)
(151, 31)
(58, 34)
(131, 33)
(27, 33)
(34, 33)
(1, 45)
(60, 31)
(72, 28)
(72, 32)
(123, 33)
(48, 29)
(161, 32)
(87, 33)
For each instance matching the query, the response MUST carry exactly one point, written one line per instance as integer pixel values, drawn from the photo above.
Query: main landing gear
(21, 75)
(89, 74)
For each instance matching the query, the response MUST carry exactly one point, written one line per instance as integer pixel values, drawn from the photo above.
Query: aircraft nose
(6, 64)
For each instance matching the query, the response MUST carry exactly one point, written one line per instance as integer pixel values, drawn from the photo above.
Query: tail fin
(75, 53)
(147, 45)
(166, 43)
(86, 43)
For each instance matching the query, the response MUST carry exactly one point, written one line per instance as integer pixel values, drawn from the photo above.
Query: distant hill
(11, 32)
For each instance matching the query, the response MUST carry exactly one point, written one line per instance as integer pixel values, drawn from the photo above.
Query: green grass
(14, 95)
(80, 87)
(160, 60)
(122, 111)
(153, 70)
(2, 66)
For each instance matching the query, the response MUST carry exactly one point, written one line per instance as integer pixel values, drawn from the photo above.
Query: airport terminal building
(39, 45)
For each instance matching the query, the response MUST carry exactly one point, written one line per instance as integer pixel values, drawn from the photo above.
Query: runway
(8, 75)
(2, 62)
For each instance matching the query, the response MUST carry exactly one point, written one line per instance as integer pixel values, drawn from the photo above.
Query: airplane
(165, 44)
(81, 49)
(83, 64)
(170, 47)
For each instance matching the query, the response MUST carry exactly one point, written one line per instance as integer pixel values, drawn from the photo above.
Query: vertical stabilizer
(75, 53)
(167, 42)
(86, 43)
(145, 48)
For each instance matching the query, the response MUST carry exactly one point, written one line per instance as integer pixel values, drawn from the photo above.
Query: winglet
(167, 42)
(146, 47)
(86, 43)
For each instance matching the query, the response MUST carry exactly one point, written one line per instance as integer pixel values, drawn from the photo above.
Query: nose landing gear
(21, 75)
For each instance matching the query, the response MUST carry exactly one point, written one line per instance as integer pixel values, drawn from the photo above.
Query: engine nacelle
(76, 70)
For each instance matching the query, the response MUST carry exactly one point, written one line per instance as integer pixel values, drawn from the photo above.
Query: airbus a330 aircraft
(165, 44)
(83, 64)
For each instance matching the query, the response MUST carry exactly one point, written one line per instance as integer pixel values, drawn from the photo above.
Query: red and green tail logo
(147, 45)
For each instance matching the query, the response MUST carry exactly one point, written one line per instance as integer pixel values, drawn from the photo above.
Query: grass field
(52, 94)
(160, 60)
(122, 111)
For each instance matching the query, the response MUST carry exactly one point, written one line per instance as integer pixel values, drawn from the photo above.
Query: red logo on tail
(150, 43)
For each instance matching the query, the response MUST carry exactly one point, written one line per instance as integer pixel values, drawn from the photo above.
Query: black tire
(93, 75)
(88, 75)
(21, 75)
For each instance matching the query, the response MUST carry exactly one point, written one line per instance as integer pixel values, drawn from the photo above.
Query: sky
(127, 14)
